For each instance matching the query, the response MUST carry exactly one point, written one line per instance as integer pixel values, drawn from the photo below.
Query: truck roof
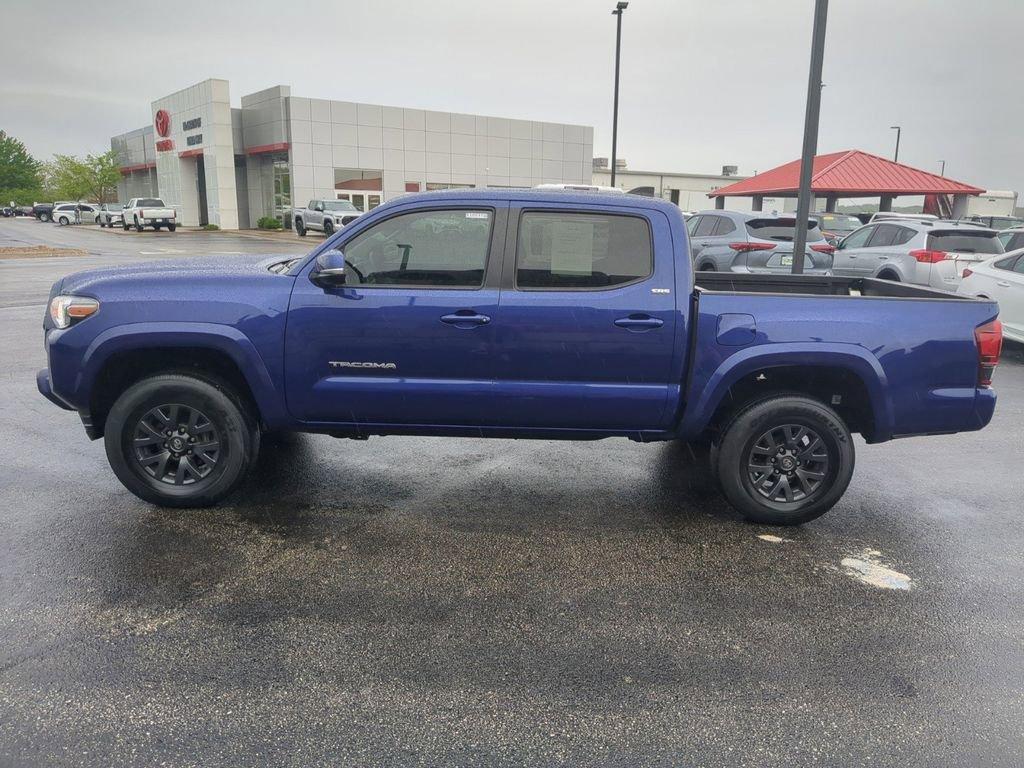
(566, 196)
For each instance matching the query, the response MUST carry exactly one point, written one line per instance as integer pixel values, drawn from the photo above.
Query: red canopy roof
(848, 174)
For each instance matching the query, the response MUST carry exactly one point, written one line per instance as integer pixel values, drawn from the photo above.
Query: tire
(163, 473)
(172, 227)
(810, 434)
(63, 221)
(706, 267)
(45, 217)
(100, 222)
(890, 276)
(138, 227)
(300, 228)
(328, 228)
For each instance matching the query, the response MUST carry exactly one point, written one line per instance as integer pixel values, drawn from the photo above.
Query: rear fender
(701, 405)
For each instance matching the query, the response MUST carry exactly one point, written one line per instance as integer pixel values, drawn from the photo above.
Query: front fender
(222, 338)
(701, 405)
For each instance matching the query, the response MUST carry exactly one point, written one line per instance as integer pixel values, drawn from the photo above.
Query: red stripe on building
(263, 149)
(126, 169)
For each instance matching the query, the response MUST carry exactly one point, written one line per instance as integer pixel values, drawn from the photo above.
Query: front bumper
(46, 389)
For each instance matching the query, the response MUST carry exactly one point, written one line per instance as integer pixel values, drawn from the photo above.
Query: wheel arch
(126, 354)
(820, 371)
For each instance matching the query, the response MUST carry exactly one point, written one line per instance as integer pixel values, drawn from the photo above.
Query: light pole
(896, 154)
(803, 204)
(943, 171)
(619, 8)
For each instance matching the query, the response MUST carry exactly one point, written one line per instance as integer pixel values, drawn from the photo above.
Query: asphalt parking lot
(425, 601)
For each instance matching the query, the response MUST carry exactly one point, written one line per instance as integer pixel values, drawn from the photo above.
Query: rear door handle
(639, 323)
(465, 318)
(1001, 284)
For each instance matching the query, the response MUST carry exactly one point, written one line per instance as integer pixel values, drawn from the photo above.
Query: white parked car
(110, 214)
(65, 213)
(1002, 279)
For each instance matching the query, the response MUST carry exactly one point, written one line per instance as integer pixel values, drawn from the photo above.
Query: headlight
(68, 310)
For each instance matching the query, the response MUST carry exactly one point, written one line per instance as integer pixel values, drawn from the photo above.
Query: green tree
(19, 171)
(94, 178)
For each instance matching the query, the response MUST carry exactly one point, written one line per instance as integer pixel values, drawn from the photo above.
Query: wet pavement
(426, 601)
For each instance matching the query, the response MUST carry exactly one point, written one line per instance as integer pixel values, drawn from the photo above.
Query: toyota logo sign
(162, 122)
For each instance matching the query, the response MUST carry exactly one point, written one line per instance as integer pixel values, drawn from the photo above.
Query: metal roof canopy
(852, 173)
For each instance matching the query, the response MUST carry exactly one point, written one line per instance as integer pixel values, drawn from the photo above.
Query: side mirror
(329, 270)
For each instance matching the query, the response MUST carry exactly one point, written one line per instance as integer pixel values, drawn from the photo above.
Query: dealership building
(230, 166)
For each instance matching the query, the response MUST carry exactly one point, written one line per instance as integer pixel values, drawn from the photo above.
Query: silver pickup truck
(324, 216)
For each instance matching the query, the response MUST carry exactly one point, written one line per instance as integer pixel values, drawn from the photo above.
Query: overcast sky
(704, 82)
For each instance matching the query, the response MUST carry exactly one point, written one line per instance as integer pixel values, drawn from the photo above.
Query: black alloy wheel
(788, 463)
(328, 228)
(783, 460)
(177, 440)
(176, 444)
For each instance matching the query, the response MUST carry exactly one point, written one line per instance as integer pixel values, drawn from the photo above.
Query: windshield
(965, 242)
(338, 205)
(151, 202)
(835, 223)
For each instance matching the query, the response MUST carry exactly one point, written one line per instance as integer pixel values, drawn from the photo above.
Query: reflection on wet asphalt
(433, 601)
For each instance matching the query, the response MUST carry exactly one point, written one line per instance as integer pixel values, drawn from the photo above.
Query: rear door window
(580, 251)
(706, 227)
(885, 234)
(1016, 241)
(964, 241)
(691, 224)
(725, 226)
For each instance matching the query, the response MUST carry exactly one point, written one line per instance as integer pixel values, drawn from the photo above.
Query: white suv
(932, 253)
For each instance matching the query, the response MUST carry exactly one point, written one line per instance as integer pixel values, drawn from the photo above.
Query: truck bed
(817, 285)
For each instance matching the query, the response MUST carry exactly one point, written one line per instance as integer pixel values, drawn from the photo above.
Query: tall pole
(896, 154)
(943, 171)
(619, 8)
(803, 205)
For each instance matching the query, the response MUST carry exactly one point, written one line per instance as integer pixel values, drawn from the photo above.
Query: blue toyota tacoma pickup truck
(519, 314)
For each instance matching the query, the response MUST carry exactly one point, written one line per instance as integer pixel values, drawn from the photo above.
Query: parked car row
(139, 212)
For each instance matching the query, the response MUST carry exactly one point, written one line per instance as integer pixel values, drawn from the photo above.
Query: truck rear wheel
(784, 461)
(138, 225)
(172, 227)
(178, 441)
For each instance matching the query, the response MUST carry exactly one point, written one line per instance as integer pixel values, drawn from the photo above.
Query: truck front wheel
(784, 461)
(300, 228)
(178, 441)
(328, 227)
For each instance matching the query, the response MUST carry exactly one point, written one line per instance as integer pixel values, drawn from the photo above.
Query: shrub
(210, 227)
(268, 222)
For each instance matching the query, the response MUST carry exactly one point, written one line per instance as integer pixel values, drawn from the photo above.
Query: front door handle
(465, 318)
(1002, 284)
(639, 323)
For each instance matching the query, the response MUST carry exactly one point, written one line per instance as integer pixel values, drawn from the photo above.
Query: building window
(282, 193)
(364, 189)
(433, 186)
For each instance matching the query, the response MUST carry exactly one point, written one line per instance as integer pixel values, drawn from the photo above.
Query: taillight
(967, 272)
(744, 247)
(929, 257)
(989, 338)
(822, 248)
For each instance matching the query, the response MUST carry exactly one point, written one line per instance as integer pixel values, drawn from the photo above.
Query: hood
(182, 271)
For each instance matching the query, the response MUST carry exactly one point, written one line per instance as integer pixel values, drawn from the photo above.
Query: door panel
(585, 358)
(373, 352)
(851, 255)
